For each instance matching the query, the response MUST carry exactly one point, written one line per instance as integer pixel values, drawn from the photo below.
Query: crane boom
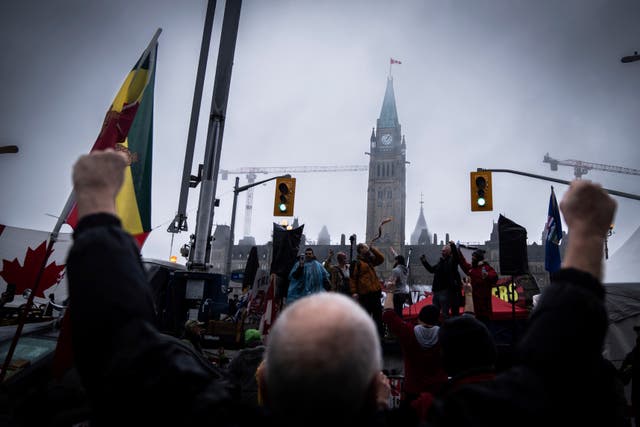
(582, 168)
(251, 178)
(292, 169)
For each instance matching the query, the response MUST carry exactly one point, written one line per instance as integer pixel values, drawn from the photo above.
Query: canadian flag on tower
(394, 61)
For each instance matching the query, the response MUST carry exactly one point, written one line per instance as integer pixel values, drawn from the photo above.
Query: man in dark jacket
(445, 280)
(561, 377)
(133, 374)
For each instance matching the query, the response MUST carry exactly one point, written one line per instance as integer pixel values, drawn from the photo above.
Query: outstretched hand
(588, 211)
(97, 178)
(466, 285)
(587, 208)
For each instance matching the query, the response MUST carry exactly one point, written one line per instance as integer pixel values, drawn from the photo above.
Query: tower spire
(388, 113)
(421, 235)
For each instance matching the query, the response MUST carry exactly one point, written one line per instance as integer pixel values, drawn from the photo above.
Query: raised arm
(118, 352)
(569, 325)
(469, 308)
(327, 262)
(463, 262)
(588, 211)
(425, 263)
(378, 258)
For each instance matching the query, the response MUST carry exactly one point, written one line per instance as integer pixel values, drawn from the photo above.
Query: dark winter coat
(561, 378)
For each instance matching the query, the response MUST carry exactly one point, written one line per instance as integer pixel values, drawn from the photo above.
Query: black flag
(286, 245)
(250, 269)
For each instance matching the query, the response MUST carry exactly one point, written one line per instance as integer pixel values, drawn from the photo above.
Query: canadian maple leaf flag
(271, 308)
(394, 61)
(21, 254)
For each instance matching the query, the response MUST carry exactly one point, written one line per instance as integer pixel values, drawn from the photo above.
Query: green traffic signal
(481, 198)
(284, 197)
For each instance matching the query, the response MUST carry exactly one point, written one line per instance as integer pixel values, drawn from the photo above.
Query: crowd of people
(322, 363)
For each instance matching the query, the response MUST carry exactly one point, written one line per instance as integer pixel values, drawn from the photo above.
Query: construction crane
(251, 174)
(582, 168)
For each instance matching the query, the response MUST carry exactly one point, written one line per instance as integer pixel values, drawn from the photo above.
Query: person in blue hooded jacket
(307, 277)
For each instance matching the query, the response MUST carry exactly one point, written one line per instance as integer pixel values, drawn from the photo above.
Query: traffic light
(285, 196)
(481, 199)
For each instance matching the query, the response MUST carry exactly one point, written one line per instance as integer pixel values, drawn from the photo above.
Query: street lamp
(631, 58)
(8, 149)
(236, 191)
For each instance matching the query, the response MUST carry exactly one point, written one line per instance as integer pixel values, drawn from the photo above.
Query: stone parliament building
(386, 198)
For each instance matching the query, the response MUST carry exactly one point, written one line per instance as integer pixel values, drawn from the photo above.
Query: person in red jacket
(483, 277)
(468, 355)
(423, 365)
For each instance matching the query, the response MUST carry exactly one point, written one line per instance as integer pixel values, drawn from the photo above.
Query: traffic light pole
(561, 181)
(237, 190)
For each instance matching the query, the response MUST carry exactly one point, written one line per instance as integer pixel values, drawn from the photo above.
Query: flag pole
(147, 51)
(66, 210)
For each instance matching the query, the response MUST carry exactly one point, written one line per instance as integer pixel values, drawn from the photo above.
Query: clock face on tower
(386, 139)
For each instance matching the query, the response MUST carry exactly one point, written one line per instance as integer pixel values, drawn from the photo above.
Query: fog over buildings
(482, 84)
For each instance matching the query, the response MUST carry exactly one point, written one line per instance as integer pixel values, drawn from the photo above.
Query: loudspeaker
(513, 248)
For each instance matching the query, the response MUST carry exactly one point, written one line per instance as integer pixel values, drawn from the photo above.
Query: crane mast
(582, 168)
(251, 178)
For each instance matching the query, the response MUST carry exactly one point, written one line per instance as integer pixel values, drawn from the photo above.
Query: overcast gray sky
(483, 83)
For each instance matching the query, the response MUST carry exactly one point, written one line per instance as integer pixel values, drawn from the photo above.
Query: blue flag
(553, 230)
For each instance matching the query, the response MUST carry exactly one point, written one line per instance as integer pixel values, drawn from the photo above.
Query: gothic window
(378, 169)
(380, 194)
(389, 194)
(393, 169)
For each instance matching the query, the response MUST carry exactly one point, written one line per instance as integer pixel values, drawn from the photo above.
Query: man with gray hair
(323, 364)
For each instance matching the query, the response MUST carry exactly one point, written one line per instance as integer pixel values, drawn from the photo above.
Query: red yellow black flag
(128, 127)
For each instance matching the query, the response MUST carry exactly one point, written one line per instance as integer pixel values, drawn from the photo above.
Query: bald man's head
(323, 355)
